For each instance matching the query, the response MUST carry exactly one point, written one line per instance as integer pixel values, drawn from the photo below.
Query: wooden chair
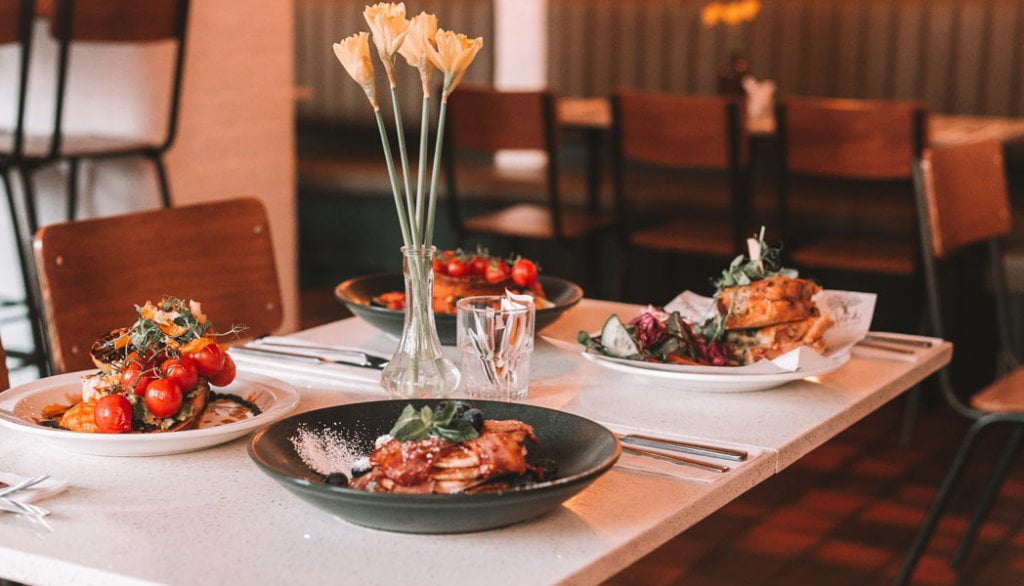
(487, 120)
(113, 22)
(963, 204)
(865, 141)
(695, 132)
(16, 18)
(93, 272)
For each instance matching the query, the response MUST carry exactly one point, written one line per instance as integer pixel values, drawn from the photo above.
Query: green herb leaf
(413, 425)
(412, 431)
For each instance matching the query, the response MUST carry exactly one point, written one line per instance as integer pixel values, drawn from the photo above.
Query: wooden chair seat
(1005, 395)
(687, 237)
(38, 147)
(93, 272)
(869, 254)
(534, 221)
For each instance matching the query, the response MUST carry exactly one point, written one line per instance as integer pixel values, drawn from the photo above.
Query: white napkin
(649, 465)
(44, 490)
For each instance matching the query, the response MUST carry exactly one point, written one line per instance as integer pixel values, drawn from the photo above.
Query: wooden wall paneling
(559, 34)
(1017, 89)
(630, 46)
(1004, 49)
(570, 66)
(689, 19)
(656, 59)
(969, 58)
(909, 42)
(707, 59)
(761, 43)
(602, 46)
(818, 62)
(848, 39)
(790, 57)
(878, 49)
(935, 77)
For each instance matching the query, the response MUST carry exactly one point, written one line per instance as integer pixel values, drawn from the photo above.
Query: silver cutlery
(916, 343)
(696, 449)
(681, 460)
(279, 342)
(20, 508)
(352, 359)
(887, 346)
(27, 483)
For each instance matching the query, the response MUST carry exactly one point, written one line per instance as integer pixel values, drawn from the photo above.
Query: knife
(917, 343)
(675, 459)
(684, 447)
(349, 358)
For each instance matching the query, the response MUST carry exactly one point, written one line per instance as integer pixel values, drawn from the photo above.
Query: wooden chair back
(94, 272)
(118, 20)
(5, 381)
(850, 139)
(965, 195)
(487, 119)
(11, 19)
(679, 130)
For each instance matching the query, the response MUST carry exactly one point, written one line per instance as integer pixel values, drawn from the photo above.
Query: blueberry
(548, 468)
(336, 479)
(525, 479)
(461, 407)
(361, 467)
(475, 417)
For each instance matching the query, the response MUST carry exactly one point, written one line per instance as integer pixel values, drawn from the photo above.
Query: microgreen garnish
(413, 425)
(743, 270)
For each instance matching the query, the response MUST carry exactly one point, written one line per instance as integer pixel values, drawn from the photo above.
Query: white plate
(721, 381)
(22, 406)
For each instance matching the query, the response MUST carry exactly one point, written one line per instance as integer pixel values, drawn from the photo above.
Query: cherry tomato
(524, 272)
(496, 272)
(163, 397)
(113, 414)
(439, 267)
(226, 374)
(136, 377)
(209, 360)
(457, 268)
(478, 265)
(183, 371)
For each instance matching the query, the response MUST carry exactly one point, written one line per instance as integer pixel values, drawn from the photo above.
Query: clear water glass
(495, 340)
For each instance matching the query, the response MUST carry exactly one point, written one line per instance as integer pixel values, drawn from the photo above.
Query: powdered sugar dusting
(326, 451)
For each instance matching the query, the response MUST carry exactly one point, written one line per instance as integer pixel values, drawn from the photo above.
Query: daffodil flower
(452, 55)
(422, 29)
(354, 54)
(389, 27)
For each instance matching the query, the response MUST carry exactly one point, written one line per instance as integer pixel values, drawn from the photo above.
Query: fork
(19, 508)
(24, 484)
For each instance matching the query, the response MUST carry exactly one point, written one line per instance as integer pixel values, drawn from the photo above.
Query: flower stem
(416, 236)
(403, 221)
(421, 167)
(434, 173)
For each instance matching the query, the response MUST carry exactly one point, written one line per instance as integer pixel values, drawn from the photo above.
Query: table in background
(212, 516)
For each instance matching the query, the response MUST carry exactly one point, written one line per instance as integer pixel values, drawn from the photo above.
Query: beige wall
(235, 134)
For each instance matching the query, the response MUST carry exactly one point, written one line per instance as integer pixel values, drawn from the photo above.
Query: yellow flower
(422, 30)
(354, 54)
(389, 27)
(454, 53)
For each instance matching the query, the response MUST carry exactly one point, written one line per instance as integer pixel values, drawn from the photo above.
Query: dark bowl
(583, 450)
(357, 293)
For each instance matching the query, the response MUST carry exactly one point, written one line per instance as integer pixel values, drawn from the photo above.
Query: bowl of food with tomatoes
(379, 299)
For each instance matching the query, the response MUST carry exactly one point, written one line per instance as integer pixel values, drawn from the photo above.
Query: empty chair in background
(488, 120)
(125, 24)
(682, 132)
(94, 272)
(858, 213)
(963, 205)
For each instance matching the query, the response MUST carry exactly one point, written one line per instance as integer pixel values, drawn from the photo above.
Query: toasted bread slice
(774, 300)
(199, 402)
(110, 349)
(772, 341)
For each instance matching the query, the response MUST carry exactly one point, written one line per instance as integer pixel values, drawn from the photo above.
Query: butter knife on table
(348, 358)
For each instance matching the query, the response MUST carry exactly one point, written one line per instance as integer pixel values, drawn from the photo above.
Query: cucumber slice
(617, 340)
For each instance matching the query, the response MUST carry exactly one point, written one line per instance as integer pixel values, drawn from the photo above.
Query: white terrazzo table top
(212, 517)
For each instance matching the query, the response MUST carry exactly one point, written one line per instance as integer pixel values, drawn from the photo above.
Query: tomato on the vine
(478, 265)
(113, 414)
(496, 272)
(439, 267)
(226, 374)
(136, 376)
(524, 273)
(209, 360)
(183, 371)
(163, 397)
(457, 268)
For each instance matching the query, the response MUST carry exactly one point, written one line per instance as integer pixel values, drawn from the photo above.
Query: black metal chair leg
(931, 519)
(911, 409)
(1009, 455)
(30, 201)
(22, 247)
(72, 188)
(161, 176)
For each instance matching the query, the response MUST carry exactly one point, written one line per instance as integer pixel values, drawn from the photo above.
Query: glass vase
(419, 367)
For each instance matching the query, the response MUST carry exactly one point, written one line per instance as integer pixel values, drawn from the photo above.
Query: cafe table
(211, 516)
